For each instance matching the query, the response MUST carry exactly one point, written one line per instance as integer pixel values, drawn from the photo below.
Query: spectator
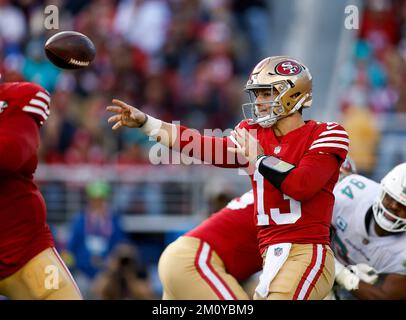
(362, 130)
(123, 277)
(95, 232)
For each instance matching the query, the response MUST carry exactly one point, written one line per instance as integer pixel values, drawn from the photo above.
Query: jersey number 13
(275, 214)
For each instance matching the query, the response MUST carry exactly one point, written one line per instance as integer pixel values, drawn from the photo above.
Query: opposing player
(296, 165)
(30, 267)
(369, 241)
(210, 261)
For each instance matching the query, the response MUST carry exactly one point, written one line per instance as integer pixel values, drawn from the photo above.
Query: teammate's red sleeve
(310, 176)
(19, 140)
(35, 101)
(212, 150)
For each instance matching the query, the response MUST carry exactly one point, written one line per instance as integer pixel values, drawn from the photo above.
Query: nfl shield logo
(278, 251)
(3, 105)
(277, 149)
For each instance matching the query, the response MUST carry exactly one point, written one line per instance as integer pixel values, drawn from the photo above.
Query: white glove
(345, 277)
(349, 277)
(365, 272)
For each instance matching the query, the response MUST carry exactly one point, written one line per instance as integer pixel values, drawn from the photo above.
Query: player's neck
(288, 124)
(381, 232)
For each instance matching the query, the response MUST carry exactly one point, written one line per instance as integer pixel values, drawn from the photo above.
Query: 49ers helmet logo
(288, 68)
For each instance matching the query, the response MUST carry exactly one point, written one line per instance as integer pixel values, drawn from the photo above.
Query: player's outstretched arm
(188, 141)
(131, 117)
(392, 287)
(363, 282)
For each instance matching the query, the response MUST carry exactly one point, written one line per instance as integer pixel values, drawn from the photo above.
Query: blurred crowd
(178, 59)
(374, 102)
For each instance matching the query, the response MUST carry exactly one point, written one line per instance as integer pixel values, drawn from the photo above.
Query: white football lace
(78, 63)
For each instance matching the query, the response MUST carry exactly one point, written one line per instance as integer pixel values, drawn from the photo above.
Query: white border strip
(312, 274)
(202, 261)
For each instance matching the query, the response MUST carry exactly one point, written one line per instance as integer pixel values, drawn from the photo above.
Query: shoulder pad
(30, 98)
(331, 138)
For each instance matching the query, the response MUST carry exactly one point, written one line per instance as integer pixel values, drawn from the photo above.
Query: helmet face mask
(256, 111)
(393, 188)
(289, 78)
(385, 218)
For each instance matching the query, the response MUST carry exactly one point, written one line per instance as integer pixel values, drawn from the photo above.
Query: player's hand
(350, 276)
(246, 144)
(126, 115)
(365, 272)
(345, 277)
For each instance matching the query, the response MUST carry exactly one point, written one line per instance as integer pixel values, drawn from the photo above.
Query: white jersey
(353, 243)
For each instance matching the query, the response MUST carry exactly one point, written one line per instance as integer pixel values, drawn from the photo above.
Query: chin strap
(299, 104)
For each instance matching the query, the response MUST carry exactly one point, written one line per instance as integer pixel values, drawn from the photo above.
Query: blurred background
(111, 211)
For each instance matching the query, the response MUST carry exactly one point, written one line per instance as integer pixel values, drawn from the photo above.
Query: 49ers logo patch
(288, 68)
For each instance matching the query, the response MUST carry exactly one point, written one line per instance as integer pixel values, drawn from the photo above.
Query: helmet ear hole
(295, 95)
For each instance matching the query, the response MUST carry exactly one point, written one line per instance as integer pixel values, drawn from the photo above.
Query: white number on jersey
(278, 217)
(244, 201)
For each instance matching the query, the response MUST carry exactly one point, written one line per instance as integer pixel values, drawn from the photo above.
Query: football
(70, 50)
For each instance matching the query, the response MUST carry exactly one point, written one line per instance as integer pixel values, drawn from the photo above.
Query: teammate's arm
(180, 138)
(19, 140)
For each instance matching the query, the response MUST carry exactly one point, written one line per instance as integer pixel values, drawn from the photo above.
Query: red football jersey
(23, 229)
(301, 211)
(232, 234)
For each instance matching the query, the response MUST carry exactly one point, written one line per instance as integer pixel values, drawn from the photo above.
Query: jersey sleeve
(209, 149)
(310, 176)
(35, 101)
(28, 98)
(341, 199)
(19, 140)
(331, 138)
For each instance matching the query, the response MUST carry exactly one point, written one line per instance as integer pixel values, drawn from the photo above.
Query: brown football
(70, 50)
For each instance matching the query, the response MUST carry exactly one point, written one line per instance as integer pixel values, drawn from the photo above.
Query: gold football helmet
(290, 82)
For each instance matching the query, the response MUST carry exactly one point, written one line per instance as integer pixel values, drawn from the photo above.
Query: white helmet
(393, 184)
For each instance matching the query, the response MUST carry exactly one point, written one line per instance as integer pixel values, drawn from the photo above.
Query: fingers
(119, 107)
(236, 150)
(117, 125)
(234, 140)
(114, 118)
(114, 109)
(240, 137)
(121, 104)
(233, 150)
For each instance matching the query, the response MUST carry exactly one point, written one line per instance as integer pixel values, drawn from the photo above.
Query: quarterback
(369, 241)
(30, 267)
(293, 166)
